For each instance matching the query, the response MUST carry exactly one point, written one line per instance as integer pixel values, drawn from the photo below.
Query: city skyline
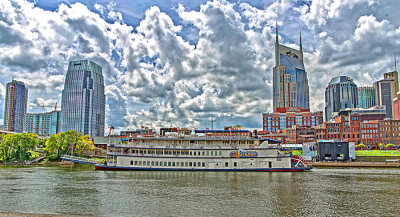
(186, 63)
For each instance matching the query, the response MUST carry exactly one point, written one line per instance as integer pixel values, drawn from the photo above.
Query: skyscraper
(290, 83)
(341, 93)
(394, 75)
(15, 106)
(366, 97)
(83, 99)
(385, 92)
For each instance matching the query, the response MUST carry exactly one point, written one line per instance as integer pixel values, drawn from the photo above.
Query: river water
(79, 190)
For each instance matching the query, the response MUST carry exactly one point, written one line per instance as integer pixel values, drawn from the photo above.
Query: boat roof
(217, 138)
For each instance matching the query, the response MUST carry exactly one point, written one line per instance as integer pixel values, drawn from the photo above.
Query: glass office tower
(341, 93)
(83, 99)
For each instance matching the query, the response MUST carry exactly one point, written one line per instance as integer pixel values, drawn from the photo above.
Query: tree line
(25, 146)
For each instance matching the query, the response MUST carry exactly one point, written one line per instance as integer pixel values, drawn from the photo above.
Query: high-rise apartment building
(83, 99)
(15, 106)
(385, 92)
(290, 83)
(42, 124)
(366, 97)
(341, 93)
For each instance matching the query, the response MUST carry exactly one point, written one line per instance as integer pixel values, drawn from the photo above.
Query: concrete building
(366, 97)
(341, 93)
(287, 117)
(15, 106)
(369, 114)
(385, 92)
(42, 124)
(290, 82)
(395, 76)
(396, 107)
(83, 99)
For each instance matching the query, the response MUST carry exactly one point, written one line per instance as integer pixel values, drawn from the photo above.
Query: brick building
(389, 132)
(370, 134)
(287, 117)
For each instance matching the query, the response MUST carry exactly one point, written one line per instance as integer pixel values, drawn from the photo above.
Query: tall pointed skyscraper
(83, 99)
(290, 83)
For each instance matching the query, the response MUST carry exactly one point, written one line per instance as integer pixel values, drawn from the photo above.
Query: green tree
(389, 146)
(361, 146)
(41, 143)
(16, 147)
(57, 145)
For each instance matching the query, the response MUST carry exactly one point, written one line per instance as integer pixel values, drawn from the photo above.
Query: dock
(79, 160)
(387, 164)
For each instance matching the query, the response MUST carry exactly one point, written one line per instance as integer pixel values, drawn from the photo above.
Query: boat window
(207, 153)
(203, 164)
(220, 153)
(152, 163)
(186, 164)
(216, 153)
(173, 164)
(226, 164)
(190, 153)
(270, 164)
(198, 153)
(194, 153)
(148, 163)
(181, 164)
(190, 164)
(194, 164)
(165, 163)
(169, 164)
(235, 164)
(131, 162)
(135, 162)
(156, 163)
(140, 162)
(212, 153)
(203, 153)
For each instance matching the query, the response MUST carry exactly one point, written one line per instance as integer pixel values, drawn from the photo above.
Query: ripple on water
(83, 191)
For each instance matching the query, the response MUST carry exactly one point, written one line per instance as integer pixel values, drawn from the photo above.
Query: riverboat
(200, 153)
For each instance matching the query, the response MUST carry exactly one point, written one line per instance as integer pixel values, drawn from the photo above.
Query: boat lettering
(241, 154)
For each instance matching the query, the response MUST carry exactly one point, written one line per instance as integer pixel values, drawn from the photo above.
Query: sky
(184, 63)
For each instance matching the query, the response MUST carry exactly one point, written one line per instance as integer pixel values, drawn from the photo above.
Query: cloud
(154, 77)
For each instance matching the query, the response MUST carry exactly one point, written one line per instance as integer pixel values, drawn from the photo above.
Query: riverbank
(356, 164)
(51, 163)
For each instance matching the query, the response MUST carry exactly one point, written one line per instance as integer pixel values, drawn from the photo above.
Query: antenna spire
(395, 63)
(301, 46)
(276, 27)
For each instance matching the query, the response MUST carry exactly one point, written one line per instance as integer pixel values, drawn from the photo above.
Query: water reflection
(83, 191)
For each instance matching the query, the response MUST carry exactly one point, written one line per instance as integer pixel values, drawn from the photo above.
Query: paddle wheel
(299, 161)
